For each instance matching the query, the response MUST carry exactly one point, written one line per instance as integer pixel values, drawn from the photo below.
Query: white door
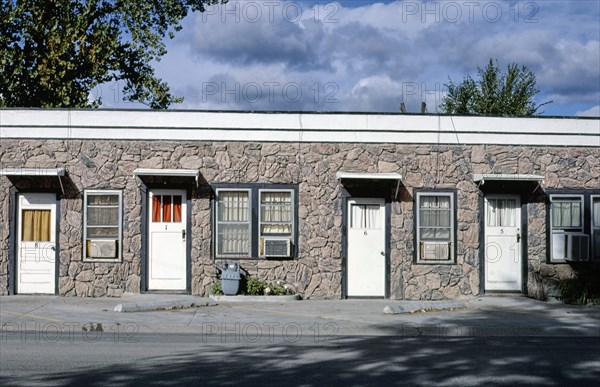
(36, 243)
(167, 240)
(366, 247)
(502, 243)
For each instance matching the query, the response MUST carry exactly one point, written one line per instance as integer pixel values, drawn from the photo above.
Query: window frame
(593, 228)
(255, 190)
(417, 224)
(119, 248)
(567, 230)
(588, 194)
(216, 223)
(260, 221)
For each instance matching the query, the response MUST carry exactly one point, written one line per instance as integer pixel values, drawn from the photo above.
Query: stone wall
(317, 272)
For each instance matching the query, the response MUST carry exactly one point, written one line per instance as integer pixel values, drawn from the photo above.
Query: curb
(160, 305)
(223, 298)
(422, 306)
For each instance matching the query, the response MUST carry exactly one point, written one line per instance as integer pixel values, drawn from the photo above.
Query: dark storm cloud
(370, 56)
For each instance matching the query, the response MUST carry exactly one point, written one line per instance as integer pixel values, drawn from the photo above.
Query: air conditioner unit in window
(578, 247)
(439, 251)
(100, 248)
(277, 247)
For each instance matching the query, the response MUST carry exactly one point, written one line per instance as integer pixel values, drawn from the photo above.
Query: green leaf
(494, 93)
(54, 52)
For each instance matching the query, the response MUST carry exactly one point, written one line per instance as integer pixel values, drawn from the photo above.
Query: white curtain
(501, 213)
(596, 212)
(365, 216)
(276, 212)
(233, 222)
(102, 216)
(566, 213)
(434, 217)
(233, 206)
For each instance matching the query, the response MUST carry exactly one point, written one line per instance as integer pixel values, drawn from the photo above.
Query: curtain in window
(156, 208)
(435, 217)
(233, 206)
(167, 206)
(566, 213)
(501, 212)
(596, 212)
(365, 216)
(103, 200)
(102, 216)
(166, 202)
(177, 208)
(233, 223)
(276, 212)
(35, 225)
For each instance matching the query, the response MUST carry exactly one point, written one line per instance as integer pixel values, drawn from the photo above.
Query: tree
(495, 93)
(54, 52)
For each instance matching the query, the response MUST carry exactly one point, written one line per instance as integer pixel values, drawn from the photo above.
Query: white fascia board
(368, 176)
(32, 171)
(482, 177)
(166, 172)
(296, 127)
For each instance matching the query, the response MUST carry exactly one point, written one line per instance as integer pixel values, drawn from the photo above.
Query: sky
(368, 56)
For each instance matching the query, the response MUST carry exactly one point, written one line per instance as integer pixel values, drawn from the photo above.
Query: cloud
(370, 56)
(591, 112)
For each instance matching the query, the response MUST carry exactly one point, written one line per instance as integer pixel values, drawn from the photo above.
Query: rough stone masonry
(317, 271)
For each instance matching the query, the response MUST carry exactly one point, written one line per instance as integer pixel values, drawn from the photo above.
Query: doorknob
(382, 253)
(518, 238)
(182, 234)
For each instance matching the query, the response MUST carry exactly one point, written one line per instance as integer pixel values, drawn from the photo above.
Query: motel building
(418, 207)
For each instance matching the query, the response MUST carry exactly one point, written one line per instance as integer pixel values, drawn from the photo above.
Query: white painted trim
(482, 177)
(32, 172)
(296, 127)
(373, 176)
(92, 192)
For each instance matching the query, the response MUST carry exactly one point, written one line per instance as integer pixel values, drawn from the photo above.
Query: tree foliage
(54, 52)
(495, 93)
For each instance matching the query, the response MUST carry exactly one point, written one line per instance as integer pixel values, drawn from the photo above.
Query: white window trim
(452, 258)
(260, 191)
(93, 192)
(217, 221)
(569, 230)
(259, 204)
(592, 227)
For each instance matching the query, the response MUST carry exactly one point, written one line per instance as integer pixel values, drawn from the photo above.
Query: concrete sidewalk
(496, 316)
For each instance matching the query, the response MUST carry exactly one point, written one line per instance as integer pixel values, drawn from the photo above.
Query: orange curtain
(156, 208)
(166, 209)
(35, 226)
(177, 208)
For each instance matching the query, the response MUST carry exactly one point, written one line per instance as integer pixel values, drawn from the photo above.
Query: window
(501, 213)
(102, 225)
(233, 223)
(166, 208)
(435, 227)
(595, 227)
(566, 222)
(276, 223)
(255, 221)
(574, 226)
(35, 225)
